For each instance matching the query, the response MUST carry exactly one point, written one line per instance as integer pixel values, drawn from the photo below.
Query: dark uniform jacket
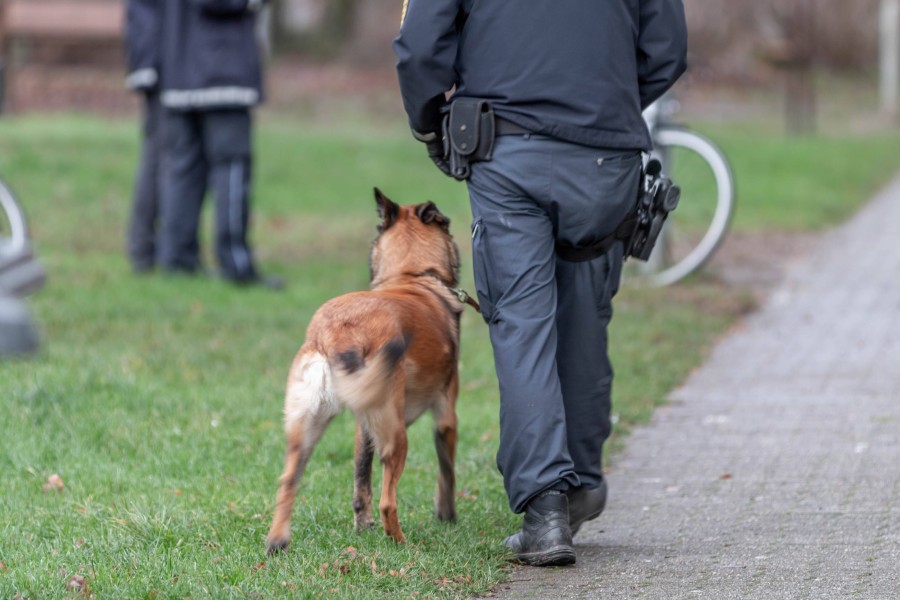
(578, 70)
(210, 54)
(142, 44)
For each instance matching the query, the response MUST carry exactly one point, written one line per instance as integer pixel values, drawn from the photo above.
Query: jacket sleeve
(426, 55)
(662, 47)
(229, 7)
(142, 43)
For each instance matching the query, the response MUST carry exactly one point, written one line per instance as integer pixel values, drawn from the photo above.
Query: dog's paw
(364, 525)
(446, 513)
(397, 536)
(274, 546)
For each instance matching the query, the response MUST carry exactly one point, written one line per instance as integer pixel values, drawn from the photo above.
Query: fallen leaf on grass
(76, 582)
(446, 581)
(258, 567)
(2, 567)
(349, 551)
(54, 483)
(467, 494)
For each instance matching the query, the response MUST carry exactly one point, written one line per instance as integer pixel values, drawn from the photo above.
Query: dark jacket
(210, 54)
(142, 44)
(578, 70)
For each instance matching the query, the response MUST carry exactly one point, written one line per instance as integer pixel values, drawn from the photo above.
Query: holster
(659, 196)
(469, 132)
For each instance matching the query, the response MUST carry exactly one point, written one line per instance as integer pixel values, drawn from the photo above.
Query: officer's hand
(435, 146)
(436, 154)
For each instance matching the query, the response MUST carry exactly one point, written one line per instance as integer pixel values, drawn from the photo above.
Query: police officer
(211, 78)
(567, 82)
(142, 49)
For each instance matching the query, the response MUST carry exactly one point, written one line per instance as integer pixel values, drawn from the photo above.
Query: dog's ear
(429, 213)
(387, 210)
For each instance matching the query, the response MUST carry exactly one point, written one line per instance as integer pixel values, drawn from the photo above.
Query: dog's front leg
(445, 444)
(364, 452)
(445, 434)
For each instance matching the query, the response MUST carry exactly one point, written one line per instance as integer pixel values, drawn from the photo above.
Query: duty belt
(504, 127)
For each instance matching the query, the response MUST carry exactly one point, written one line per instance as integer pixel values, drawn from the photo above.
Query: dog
(388, 354)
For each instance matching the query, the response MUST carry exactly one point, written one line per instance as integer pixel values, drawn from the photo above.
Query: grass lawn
(157, 400)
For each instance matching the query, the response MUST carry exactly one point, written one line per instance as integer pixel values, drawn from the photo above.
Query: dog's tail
(360, 384)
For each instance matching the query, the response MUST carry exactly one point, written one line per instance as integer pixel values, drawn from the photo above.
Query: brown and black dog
(388, 354)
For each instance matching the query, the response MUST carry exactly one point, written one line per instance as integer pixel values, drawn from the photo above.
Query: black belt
(622, 233)
(504, 127)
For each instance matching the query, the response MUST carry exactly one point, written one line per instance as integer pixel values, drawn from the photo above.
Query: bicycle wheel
(13, 231)
(697, 227)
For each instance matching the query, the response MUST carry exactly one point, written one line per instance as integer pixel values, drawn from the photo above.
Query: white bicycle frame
(20, 273)
(655, 270)
(18, 240)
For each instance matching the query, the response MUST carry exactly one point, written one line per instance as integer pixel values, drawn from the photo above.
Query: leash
(460, 293)
(465, 298)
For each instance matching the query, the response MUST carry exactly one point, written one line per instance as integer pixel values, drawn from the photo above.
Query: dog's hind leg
(445, 434)
(393, 461)
(364, 451)
(388, 428)
(309, 408)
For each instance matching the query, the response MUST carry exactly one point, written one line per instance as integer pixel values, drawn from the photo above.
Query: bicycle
(13, 231)
(20, 275)
(697, 228)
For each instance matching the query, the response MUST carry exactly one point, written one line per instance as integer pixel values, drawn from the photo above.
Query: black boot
(545, 539)
(585, 504)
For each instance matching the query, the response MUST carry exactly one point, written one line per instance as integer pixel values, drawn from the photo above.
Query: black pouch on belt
(469, 131)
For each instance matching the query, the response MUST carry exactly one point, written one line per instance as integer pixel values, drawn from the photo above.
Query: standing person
(567, 82)
(142, 45)
(211, 79)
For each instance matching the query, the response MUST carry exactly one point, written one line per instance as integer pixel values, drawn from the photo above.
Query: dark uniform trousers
(206, 148)
(548, 317)
(145, 203)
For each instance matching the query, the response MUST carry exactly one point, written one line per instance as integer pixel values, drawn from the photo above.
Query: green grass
(158, 400)
(805, 183)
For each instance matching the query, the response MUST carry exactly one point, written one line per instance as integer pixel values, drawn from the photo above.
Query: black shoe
(585, 504)
(545, 539)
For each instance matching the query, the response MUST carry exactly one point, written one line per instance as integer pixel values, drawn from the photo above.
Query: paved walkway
(775, 471)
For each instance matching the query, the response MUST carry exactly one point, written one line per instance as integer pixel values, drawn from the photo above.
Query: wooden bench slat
(64, 19)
